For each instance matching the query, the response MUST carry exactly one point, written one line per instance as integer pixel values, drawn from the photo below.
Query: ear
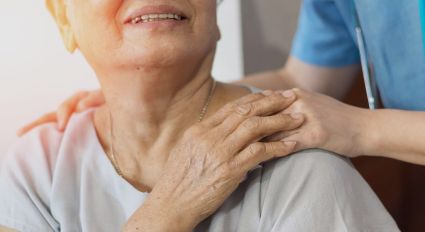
(218, 34)
(57, 9)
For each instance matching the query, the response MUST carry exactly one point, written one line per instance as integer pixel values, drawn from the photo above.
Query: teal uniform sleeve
(323, 37)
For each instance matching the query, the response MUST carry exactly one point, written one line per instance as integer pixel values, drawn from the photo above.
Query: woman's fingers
(231, 107)
(50, 117)
(265, 106)
(258, 153)
(93, 99)
(256, 128)
(271, 104)
(281, 135)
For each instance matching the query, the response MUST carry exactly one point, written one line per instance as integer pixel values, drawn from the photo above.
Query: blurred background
(36, 74)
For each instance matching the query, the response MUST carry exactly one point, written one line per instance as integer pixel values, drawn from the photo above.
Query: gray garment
(52, 181)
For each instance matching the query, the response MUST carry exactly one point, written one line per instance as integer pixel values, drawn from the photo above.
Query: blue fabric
(393, 37)
(422, 13)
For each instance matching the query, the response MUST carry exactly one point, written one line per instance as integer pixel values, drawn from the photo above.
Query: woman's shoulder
(38, 152)
(47, 139)
(32, 166)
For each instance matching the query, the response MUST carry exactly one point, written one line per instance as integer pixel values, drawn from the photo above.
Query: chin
(167, 54)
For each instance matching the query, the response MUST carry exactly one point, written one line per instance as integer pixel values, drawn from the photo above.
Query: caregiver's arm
(351, 131)
(335, 82)
(396, 134)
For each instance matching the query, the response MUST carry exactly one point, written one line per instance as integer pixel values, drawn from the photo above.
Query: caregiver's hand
(79, 102)
(330, 125)
(212, 159)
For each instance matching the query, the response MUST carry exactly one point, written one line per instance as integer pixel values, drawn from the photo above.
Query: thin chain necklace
(111, 131)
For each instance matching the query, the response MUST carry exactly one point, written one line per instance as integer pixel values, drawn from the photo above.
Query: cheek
(92, 20)
(206, 22)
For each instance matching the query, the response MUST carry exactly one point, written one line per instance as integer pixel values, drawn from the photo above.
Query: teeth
(136, 20)
(155, 17)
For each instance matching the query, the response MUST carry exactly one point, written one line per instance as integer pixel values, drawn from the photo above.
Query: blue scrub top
(392, 31)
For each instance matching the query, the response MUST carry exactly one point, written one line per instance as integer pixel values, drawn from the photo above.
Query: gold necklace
(114, 161)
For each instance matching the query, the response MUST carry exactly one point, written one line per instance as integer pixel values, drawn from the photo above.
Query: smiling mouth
(157, 17)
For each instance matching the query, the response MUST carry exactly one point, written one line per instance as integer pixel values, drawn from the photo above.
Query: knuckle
(244, 109)
(300, 104)
(257, 95)
(317, 136)
(257, 148)
(226, 170)
(194, 131)
(252, 123)
(232, 106)
(275, 98)
(284, 119)
(274, 148)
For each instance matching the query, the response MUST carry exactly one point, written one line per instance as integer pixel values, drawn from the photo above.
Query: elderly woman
(170, 149)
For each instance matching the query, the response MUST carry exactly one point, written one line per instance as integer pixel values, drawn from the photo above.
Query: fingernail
(267, 92)
(288, 94)
(297, 116)
(290, 144)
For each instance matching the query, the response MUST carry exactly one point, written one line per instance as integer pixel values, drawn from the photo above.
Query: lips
(155, 13)
(156, 17)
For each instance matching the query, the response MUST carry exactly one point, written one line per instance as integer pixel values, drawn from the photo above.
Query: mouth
(155, 14)
(157, 17)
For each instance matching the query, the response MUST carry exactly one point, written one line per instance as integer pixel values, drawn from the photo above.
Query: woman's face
(143, 33)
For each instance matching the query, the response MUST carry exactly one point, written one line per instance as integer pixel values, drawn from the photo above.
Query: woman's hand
(212, 159)
(79, 102)
(329, 124)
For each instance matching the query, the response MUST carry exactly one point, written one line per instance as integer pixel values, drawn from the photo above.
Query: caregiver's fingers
(67, 108)
(259, 152)
(256, 128)
(93, 99)
(50, 117)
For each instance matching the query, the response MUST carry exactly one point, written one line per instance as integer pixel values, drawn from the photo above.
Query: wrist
(368, 136)
(156, 215)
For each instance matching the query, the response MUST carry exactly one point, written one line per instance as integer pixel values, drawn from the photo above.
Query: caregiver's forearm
(396, 134)
(335, 82)
(273, 80)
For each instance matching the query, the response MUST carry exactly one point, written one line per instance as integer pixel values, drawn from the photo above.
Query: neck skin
(149, 110)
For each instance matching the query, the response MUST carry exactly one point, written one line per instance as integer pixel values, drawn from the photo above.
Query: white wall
(36, 73)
